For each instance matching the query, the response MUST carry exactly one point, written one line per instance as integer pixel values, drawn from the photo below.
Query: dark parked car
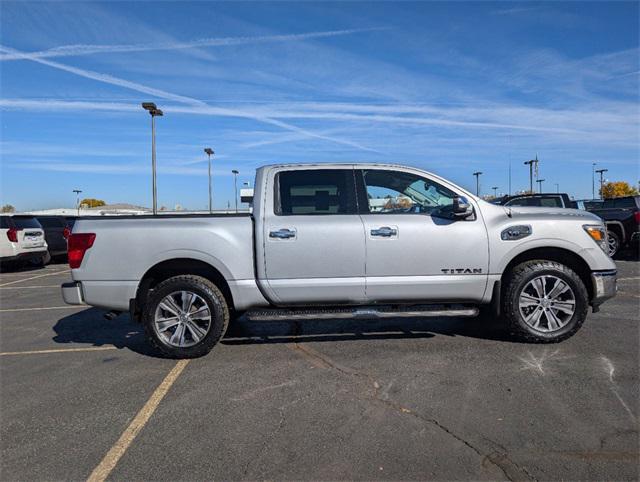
(622, 217)
(546, 200)
(56, 231)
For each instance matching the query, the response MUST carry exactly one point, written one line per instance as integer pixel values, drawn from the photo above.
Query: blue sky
(449, 87)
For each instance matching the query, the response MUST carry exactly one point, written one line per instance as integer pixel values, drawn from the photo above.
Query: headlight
(599, 234)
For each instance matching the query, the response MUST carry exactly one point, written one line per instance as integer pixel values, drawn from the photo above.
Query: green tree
(617, 189)
(8, 208)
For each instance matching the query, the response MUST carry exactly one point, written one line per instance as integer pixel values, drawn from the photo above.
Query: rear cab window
(315, 192)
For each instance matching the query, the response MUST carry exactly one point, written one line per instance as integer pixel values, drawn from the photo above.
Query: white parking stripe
(35, 277)
(66, 307)
(29, 287)
(58, 350)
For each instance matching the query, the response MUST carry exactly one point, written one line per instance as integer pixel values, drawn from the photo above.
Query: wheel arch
(559, 255)
(174, 267)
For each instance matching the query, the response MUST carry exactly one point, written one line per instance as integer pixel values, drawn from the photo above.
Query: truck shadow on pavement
(244, 331)
(90, 327)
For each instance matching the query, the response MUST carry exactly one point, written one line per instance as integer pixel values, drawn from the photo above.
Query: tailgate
(31, 238)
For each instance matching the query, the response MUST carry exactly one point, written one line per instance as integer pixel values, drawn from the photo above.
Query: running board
(413, 311)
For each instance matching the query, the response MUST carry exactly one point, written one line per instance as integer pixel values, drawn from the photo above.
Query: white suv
(21, 238)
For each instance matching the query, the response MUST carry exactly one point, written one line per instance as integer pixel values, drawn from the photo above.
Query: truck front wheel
(185, 316)
(544, 301)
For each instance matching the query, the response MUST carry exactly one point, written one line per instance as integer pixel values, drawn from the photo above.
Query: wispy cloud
(109, 79)
(515, 10)
(84, 49)
(610, 124)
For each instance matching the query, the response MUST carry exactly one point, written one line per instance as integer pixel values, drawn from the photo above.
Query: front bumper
(604, 286)
(72, 293)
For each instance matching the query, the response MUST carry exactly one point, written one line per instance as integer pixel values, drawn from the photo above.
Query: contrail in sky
(84, 49)
(110, 79)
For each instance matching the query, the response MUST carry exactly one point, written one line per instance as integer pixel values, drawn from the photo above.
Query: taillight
(636, 216)
(12, 234)
(77, 244)
(66, 232)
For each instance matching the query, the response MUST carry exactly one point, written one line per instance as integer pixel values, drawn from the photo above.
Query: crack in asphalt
(282, 410)
(498, 458)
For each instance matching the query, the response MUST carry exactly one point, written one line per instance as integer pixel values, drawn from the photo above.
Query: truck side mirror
(462, 209)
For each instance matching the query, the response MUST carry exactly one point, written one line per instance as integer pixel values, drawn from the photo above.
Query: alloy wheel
(182, 319)
(547, 303)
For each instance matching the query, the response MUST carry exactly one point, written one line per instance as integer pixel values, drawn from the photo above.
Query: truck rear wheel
(544, 301)
(185, 316)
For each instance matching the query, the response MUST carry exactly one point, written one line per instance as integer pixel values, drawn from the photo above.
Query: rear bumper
(25, 255)
(604, 286)
(72, 293)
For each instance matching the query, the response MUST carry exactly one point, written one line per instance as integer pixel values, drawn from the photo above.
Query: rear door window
(314, 192)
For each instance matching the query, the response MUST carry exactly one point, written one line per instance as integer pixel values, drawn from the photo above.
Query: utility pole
(593, 180)
(209, 153)
(235, 184)
(601, 172)
(495, 191)
(531, 164)
(155, 112)
(77, 191)
(477, 174)
(557, 187)
(540, 181)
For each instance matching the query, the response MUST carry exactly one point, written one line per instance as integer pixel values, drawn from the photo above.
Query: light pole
(601, 172)
(209, 153)
(557, 187)
(77, 191)
(540, 181)
(530, 164)
(235, 185)
(593, 180)
(155, 112)
(495, 191)
(477, 174)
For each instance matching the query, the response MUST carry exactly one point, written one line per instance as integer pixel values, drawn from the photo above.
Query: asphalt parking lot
(396, 399)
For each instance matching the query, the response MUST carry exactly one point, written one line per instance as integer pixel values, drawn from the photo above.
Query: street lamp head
(235, 171)
(156, 113)
(208, 151)
(150, 106)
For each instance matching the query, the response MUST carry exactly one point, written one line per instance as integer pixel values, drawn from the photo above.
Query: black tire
(215, 301)
(613, 243)
(41, 261)
(518, 279)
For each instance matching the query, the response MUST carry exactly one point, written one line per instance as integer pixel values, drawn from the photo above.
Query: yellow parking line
(58, 350)
(35, 277)
(108, 463)
(67, 307)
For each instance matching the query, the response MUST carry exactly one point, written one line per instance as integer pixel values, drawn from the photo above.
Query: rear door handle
(384, 232)
(282, 234)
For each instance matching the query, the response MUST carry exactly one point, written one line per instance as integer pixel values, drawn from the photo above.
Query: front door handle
(385, 232)
(282, 234)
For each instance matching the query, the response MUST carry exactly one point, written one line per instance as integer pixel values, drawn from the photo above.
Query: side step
(365, 312)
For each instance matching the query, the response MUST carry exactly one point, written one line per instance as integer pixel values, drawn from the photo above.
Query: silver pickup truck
(340, 240)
